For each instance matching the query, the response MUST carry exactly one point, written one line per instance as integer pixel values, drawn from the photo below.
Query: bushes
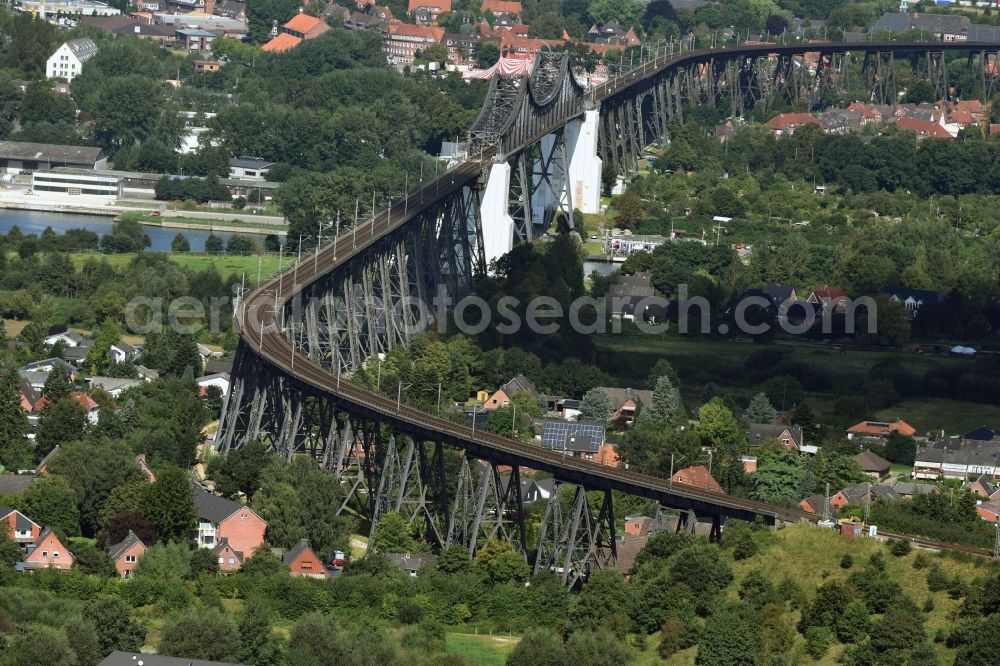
(900, 547)
(198, 189)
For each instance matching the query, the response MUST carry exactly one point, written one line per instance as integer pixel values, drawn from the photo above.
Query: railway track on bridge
(260, 319)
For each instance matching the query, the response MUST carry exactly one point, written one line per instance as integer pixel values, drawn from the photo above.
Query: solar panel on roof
(570, 435)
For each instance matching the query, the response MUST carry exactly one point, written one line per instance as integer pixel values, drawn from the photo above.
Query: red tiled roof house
(220, 518)
(303, 561)
(47, 553)
(126, 554)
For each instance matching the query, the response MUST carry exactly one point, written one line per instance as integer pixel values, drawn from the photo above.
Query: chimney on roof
(209, 7)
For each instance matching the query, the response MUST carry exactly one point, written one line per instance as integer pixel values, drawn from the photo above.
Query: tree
(392, 535)
(126, 110)
(240, 245)
(200, 633)
(853, 623)
(435, 53)
(204, 561)
(538, 647)
(626, 12)
(241, 470)
(595, 406)
(604, 595)
(920, 92)
(258, 646)
(665, 406)
(40, 644)
(15, 451)
(180, 243)
(119, 525)
(718, 427)
(57, 385)
(93, 469)
(168, 504)
(728, 640)
(52, 502)
(61, 422)
(486, 54)
(93, 561)
(213, 244)
(760, 409)
(631, 210)
(115, 628)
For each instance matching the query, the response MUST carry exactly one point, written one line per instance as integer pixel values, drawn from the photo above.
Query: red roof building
(302, 561)
(697, 476)
(787, 123)
(434, 8)
(501, 7)
(298, 29)
(126, 554)
(880, 429)
(48, 552)
(924, 129)
(403, 41)
(828, 297)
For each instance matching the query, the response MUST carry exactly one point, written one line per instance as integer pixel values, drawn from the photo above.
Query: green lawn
(226, 265)
(950, 415)
(481, 650)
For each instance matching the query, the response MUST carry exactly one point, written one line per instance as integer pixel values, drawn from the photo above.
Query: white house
(219, 380)
(122, 351)
(68, 338)
(249, 168)
(68, 59)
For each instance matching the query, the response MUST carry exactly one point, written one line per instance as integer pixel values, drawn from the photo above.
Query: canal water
(33, 222)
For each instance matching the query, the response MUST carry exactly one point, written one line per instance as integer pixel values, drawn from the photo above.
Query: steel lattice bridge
(535, 150)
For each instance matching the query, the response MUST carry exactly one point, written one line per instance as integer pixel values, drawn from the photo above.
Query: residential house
(219, 381)
(67, 62)
(628, 548)
(984, 487)
(47, 552)
(220, 518)
(828, 297)
(814, 504)
(625, 402)
(194, 39)
(77, 354)
(537, 490)
(907, 490)
(148, 374)
(305, 26)
(21, 529)
(413, 563)
(879, 431)
(503, 395)
(249, 168)
(501, 7)
(787, 123)
(229, 559)
(580, 439)
(637, 525)
(697, 476)
(14, 484)
(206, 66)
(989, 511)
(67, 338)
(924, 129)
(855, 493)
(143, 466)
(630, 293)
(113, 386)
(230, 9)
(119, 658)
(336, 13)
(873, 465)
(404, 41)
(570, 409)
(207, 352)
(981, 434)
(303, 561)
(913, 299)
(749, 463)
(126, 553)
(789, 436)
(426, 12)
(955, 458)
(43, 466)
(461, 47)
(92, 409)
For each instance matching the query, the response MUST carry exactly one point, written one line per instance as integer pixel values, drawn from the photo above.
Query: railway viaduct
(536, 150)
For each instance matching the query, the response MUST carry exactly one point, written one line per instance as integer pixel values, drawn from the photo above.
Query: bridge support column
(498, 225)
(584, 164)
(550, 181)
(575, 545)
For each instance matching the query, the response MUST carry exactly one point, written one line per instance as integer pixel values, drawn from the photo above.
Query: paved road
(221, 216)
